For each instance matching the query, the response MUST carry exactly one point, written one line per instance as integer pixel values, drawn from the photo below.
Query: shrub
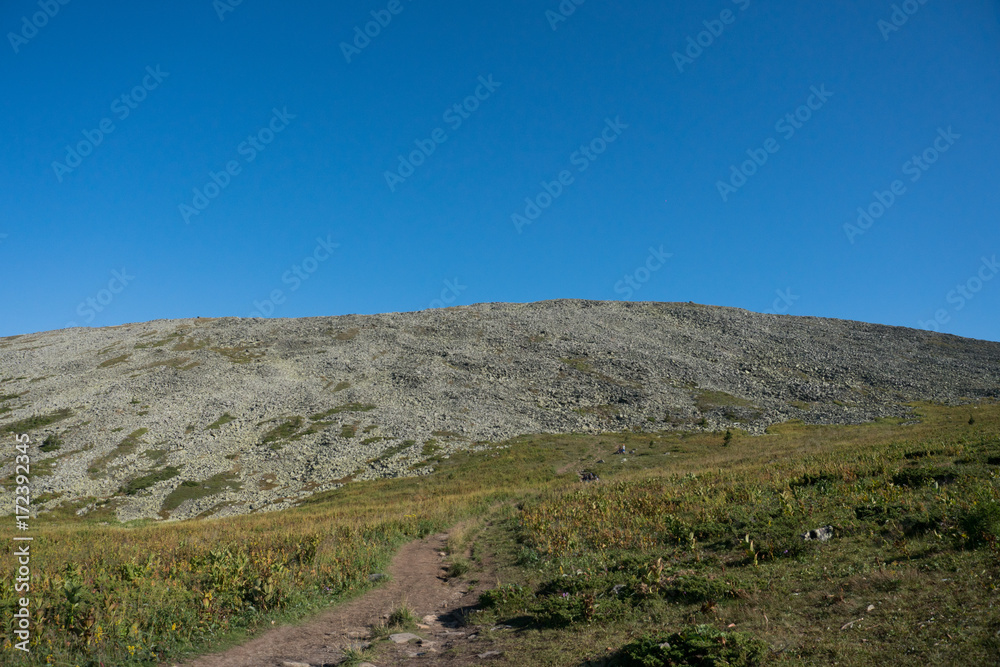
(458, 567)
(402, 617)
(698, 646)
(51, 443)
(283, 431)
(558, 611)
(507, 598)
(981, 524)
(140, 483)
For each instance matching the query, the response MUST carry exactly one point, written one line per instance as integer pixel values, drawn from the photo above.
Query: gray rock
(819, 534)
(404, 637)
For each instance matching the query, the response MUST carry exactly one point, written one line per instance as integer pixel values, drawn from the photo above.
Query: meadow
(688, 550)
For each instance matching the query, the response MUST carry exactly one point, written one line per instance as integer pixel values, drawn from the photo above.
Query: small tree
(728, 439)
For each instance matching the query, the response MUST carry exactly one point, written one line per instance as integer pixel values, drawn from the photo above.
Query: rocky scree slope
(184, 418)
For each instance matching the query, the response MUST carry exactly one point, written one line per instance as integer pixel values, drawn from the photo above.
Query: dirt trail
(418, 580)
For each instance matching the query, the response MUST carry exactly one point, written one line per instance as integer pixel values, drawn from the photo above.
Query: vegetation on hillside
(687, 551)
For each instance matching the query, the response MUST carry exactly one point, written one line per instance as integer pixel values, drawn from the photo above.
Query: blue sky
(199, 158)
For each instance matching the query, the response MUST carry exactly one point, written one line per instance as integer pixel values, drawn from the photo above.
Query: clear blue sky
(266, 90)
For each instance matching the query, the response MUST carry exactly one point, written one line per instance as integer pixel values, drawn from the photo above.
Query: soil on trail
(418, 580)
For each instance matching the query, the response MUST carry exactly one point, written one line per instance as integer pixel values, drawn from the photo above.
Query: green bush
(51, 443)
(507, 598)
(559, 611)
(981, 524)
(698, 646)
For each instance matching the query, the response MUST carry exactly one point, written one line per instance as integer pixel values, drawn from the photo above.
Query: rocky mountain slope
(183, 418)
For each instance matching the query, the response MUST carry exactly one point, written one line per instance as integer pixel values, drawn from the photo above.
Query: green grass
(708, 399)
(36, 422)
(221, 421)
(156, 455)
(686, 548)
(240, 354)
(145, 481)
(158, 343)
(392, 451)
(283, 431)
(191, 490)
(124, 448)
(344, 334)
(189, 345)
(113, 361)
(578, 363)
(347, 407)
(51, 444)
(583, 365)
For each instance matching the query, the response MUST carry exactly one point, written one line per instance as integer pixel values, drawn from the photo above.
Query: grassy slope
(685, 533)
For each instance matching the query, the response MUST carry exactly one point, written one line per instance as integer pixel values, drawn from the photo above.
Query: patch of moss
(579, 363)
(140, 483)
(709, 399)
(283, 431)
(124, 448)
(115, 360)
(45, 497)
(240, 354)
(221, 421)
(392, 451)
(156, 455)
(158, 343)
(192, 490)
(349, 407)
(51, 444)
(344, 334)
(36, 422)
(189, 345)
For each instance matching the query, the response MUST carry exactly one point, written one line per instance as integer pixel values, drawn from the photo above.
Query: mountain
(198, 417)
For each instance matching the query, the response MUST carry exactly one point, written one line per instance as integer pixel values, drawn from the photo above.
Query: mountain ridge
(221, 416)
